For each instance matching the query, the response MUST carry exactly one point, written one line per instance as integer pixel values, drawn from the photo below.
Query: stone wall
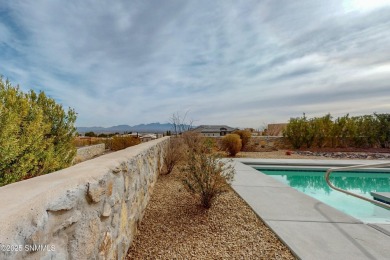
(88, 211)
(89, 152)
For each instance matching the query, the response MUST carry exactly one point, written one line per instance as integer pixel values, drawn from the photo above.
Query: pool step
(381, 196)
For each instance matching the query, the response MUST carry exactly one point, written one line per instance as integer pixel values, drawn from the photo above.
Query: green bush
(231, 143)
(383, 130)
(322, 129)
(36, 134)
(345, 131)
(294, 132)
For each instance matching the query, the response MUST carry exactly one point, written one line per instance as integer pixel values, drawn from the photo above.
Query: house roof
(213, 128)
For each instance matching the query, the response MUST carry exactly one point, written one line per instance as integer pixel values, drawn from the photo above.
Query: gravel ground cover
(173, 227)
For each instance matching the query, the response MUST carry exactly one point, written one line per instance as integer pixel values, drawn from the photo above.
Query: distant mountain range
(143, 128)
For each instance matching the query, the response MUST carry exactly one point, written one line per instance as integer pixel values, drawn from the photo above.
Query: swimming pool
(312, 183)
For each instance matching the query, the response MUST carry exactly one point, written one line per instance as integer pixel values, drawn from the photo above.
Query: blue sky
(241, 63)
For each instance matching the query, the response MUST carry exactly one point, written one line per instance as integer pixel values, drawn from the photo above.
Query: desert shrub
(36, 134)
(345, 131)
(231, 143)
(294, 132)
(121, 142)
(193, 141)
(300, 131)
(322, 129)
(209, 144)
(206, 176)
(245, 137)
(382, 130)
(173, 154)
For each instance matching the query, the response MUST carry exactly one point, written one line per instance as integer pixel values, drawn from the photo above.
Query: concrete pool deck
(310, 228)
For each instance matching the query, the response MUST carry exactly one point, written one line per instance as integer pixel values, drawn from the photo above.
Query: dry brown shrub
(173, 154)
(193, 141)
(122, 142)
(206, 176)
(245, 137)
(231, 143)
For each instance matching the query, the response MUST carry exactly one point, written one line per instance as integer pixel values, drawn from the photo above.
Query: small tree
(232, 144)
(206, 176)
(180, 124)
(245, 137)
(173, 154)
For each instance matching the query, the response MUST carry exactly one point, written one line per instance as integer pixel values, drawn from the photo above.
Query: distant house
(214, 130)
(276, 129)
(148, 137)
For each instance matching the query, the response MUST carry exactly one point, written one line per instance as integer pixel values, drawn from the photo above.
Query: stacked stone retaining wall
(88, 211)
(89, 152)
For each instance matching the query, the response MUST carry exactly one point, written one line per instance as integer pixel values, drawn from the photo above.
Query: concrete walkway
(310, 228)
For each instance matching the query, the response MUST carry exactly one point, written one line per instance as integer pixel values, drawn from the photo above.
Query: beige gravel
(175, 228)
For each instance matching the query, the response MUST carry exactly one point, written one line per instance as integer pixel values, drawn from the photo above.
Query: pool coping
(310, 228)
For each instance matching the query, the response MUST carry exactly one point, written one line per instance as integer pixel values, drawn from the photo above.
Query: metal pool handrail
(347, 168)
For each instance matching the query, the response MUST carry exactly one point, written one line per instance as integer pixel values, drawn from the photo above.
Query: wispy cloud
(237, 63)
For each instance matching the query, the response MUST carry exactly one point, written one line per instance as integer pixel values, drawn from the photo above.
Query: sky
(239, 63)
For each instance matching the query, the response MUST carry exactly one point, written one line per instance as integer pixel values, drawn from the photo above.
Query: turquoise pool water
(312, 183)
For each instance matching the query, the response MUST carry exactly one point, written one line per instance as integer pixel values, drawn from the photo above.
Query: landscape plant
(345, 131)
(232, 144)
(193, 141)
(383, 129)
(206, 176)
(245, 137)
(295, 133)
(322, 129)
(117, 143)
(180, 123)
(36, 134)
(173, 154)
